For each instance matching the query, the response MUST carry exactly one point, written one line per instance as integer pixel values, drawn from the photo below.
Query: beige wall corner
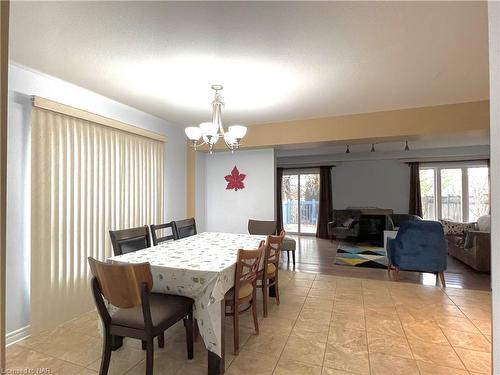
(190, 181)
(4, 60)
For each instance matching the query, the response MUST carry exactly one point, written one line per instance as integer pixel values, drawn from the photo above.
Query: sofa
(398, 219)
(469, 243)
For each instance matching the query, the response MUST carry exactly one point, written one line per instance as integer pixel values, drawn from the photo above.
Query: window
(300, 200)
(454, 191)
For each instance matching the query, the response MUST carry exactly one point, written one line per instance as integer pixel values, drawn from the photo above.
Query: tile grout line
(289, 334)
(454, 350)
(406, 337)
(329, 324)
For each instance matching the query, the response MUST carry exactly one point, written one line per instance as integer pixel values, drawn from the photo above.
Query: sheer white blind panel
(87, 178)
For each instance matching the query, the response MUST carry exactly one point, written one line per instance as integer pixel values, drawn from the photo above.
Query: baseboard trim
(17, 335)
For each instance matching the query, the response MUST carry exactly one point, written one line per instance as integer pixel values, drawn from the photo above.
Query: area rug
(360, 255)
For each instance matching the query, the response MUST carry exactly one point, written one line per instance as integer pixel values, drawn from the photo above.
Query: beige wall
(366, 127)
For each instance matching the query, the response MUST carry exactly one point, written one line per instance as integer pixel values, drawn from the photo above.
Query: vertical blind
(87, 178)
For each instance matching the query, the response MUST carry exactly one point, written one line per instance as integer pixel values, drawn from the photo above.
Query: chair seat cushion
(288, 244)
(166, 310)
(245, 291)
(271, 268)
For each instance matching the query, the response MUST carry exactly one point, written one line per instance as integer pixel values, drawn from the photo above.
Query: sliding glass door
(300, 200)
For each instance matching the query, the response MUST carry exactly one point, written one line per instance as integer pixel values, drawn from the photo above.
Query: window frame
(463, 166)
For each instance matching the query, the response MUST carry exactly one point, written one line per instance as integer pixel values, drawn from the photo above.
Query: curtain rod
(301, 166)
(450, 159)
(67, 110)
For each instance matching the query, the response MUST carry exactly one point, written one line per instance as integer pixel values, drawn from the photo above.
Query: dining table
(201, 267)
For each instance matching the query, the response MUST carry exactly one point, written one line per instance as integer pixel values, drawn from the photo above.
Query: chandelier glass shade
(209, 133)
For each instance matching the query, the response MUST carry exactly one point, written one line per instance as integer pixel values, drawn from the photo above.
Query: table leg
(216, 364)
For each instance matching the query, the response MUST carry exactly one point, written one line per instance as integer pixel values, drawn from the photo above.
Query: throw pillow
(457, 229)
(484, 223)
(348, 223)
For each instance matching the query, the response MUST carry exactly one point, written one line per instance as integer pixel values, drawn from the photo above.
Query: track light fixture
(347, 151)
(407, 148)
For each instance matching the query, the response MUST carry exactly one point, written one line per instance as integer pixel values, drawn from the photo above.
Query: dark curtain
(415, 206)
(325, 202)
(279, 203)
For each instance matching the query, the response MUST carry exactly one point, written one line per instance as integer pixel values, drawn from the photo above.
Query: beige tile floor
(325, 325)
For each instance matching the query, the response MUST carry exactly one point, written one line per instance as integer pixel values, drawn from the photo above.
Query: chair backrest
(156, 231)
(421, 245)
(262, 227)
(273, 250)
(185, 228)
(129, 240)
(121, 284)
(247, 267)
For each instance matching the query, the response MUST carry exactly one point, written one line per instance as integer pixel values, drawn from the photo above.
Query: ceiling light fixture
(210, 132)
(347, 151)
(373, 147)
(407, 148)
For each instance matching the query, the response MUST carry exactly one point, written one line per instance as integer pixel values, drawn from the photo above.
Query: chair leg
(277, 289)
(288, 256)
(396, 274)
(188, 324)
(196, 330)
(149, 356)
(144, 345)
(161, 340)
(116, 342)
(106, 354)
(236, 329)
(265, 295)
(441, 277)
(293, 256)
(254, 312)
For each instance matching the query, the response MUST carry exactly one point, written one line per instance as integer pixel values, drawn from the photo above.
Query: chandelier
(208, 133)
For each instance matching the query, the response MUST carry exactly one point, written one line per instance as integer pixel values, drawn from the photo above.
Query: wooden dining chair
(244, 291)
(185, 228)
(141, 314)
(156, 230)
(268, 276)
(129, 240)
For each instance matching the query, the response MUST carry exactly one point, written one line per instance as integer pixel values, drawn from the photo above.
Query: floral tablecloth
(200, 267)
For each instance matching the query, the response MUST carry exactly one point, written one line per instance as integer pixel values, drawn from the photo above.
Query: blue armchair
(419, 246)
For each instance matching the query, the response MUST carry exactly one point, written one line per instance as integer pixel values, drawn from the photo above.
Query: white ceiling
(277, 60)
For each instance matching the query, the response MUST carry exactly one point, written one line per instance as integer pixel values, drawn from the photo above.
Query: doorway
(300, 201)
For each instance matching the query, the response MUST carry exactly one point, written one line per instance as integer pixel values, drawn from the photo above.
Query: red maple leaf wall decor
(235, 180)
